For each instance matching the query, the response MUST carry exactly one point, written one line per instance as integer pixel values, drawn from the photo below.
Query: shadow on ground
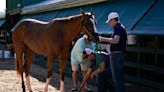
(40, 74)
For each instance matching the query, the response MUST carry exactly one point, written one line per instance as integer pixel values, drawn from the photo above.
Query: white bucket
(6, 54)
(132, 39)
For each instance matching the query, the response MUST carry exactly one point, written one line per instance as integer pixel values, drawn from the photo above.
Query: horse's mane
(35, 20)
(66, 19)
(69, 18)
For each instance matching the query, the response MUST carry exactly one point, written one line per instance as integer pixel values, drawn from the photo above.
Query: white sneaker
(74, 89)
(88, 89)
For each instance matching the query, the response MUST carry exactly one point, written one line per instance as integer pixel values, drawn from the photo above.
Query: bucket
(132, 39)
(6, 54)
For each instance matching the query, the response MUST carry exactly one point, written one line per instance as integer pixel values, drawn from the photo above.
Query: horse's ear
(82, 12)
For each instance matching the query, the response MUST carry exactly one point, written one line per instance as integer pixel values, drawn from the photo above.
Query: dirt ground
(10, 83)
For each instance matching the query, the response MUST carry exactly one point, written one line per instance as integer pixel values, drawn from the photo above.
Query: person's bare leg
(84, 72)
(86, 87)
(74, 78)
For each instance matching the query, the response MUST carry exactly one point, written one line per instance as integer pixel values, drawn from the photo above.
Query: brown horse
(51, 39)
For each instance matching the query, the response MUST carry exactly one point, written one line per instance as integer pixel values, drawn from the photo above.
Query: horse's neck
(74, 28)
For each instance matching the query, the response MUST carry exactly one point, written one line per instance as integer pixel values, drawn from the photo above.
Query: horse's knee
(62, 75)
(62, 69)
(49, 73)
(26, 71)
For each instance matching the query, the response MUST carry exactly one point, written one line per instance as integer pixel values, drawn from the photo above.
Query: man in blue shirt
(118, 48)
(100, 60)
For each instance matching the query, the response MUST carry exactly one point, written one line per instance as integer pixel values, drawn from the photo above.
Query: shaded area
(130, 87)
(39, 73)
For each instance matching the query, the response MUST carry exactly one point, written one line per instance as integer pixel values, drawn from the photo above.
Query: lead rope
(89, 33)
(97, 58)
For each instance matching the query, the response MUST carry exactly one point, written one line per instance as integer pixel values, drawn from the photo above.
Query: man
(76, 59)
(118, 48)
(102, 72)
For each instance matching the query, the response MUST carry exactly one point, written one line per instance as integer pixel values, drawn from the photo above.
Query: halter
(92, 38)
(87, 30)
(91, 35)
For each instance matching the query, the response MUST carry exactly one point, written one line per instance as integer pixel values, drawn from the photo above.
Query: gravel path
(10, 83)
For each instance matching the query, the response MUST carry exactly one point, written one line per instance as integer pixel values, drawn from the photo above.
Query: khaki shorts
(75, 66)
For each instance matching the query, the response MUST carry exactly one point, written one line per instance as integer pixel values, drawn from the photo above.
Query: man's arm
(85, 79)
(101, 67)
(99, 70)
(114, 40)
(87, 75)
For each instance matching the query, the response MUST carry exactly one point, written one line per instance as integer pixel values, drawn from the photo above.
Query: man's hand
(85, 79)
(80, 89)
(94, 74)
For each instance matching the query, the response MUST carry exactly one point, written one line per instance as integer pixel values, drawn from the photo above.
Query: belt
(117, 52)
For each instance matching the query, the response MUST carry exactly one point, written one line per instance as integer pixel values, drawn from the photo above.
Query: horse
(51, 39)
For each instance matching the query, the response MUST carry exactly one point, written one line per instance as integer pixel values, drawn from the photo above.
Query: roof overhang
(50, 5)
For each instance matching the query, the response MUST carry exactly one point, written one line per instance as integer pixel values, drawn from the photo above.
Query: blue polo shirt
(121, 45)
(100, 58)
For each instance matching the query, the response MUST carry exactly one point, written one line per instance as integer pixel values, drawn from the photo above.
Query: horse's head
(89, 26)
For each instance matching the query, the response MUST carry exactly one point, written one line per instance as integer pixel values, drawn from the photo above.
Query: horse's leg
(28, 60)
(20, 64)
(62, 70)
(49, 73)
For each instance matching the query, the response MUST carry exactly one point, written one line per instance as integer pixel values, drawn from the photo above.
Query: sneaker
(74, 89)
(88, 89)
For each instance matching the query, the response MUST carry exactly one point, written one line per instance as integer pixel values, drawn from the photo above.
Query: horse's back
(28, 23)
(35, 21)
(29, 32)
(42, 37)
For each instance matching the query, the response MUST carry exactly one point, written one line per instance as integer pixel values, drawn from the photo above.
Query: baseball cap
(88, 51)
(112, 15)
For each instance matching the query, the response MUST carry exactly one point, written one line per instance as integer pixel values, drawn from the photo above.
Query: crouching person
(102, 72)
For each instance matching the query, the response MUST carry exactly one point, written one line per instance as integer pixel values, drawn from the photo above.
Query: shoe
(88, 89)
(74, 89)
